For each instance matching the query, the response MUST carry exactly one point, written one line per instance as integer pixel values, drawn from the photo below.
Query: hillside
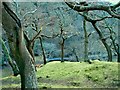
(99, 74)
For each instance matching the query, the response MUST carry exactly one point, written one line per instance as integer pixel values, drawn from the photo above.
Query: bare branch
(112, 13)
(82, 8)
(89, 19)
(31, 12)
(54, 36)
(36, 35)
(26, 38)
(116, 5)
(103, 18)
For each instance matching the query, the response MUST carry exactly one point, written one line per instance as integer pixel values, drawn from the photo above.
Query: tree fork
(18, 49)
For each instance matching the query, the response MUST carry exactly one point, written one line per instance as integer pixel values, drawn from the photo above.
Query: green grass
(99, 74)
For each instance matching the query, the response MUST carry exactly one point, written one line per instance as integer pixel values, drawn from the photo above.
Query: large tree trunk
(104, 42)
(43, 51)
(20, 54)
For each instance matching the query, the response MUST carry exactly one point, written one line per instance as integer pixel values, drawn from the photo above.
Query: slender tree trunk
(43, 51)
(108, 50)
(104, 42)
(74, 51)
(85, 42)
(118, 42)
(116, 46)
(76, 57)
(118, 59)
(10, 61)
(20, 53)
(62, 49)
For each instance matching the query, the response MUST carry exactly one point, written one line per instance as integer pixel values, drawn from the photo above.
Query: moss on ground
(99, 74)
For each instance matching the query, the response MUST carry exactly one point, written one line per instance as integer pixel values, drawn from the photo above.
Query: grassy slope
(73, 74)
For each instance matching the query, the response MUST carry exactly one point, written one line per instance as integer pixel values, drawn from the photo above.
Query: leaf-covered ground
(55, 74)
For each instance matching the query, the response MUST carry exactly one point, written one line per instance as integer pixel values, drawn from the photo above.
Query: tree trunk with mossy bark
(21, 55)
(43, 51)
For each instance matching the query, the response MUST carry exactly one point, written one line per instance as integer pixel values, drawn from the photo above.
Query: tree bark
(21, 55)
(30, 49)
(43, 51)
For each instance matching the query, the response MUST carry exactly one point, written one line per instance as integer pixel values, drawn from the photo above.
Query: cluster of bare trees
(113, 13)
(21, 46)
